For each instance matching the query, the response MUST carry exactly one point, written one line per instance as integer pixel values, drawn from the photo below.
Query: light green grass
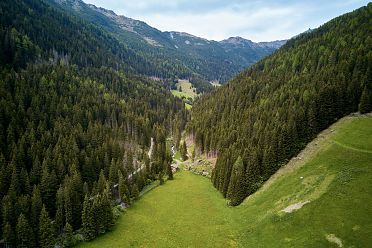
(187, 88)
(189, 212)
(179, 94)
(187, 91)
(177, 155)
(188, 106)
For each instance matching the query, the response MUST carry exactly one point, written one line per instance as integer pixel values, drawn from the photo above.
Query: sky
(257, 20)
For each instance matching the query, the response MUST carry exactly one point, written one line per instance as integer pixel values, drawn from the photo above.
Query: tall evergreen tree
(9, 235)
(88, 221)
(183, 151)
(46, 230)
(25, 236)
(236, 191)
(108, 218)
(123, 189)
(135, 191)
(68, 236)
(48, 188)
(36, 206)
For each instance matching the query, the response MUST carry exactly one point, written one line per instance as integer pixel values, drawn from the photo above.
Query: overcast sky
(257, 20)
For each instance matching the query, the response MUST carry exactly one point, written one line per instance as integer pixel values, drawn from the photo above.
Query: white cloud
(258, 25)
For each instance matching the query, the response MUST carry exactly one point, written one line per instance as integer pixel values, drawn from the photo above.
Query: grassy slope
(336, 173)
(187, 91)
(337, 182)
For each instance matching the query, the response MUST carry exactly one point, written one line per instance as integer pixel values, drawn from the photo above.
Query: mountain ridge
(197, 58)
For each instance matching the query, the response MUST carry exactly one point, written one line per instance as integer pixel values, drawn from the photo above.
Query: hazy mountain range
(212, 60)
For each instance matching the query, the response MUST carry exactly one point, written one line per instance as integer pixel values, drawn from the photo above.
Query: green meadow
(322, 198)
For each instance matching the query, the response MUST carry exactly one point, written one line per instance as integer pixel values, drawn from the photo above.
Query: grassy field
(332, 179)
(186, 88)
(187, 91)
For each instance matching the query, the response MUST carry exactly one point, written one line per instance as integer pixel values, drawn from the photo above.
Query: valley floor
(321, 200)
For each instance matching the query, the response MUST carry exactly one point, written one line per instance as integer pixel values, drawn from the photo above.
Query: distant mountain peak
(241, 42)
(237, 40)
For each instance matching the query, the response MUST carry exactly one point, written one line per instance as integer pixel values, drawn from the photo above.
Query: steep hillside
(182, 54)
(76, 126)
(319, 200)
(268, 113)
(33, 30)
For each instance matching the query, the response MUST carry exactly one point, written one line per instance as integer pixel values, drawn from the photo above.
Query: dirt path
(294, 207)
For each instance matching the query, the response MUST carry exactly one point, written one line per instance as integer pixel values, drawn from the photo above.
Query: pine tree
(123, 189)
(46, 234)
(15, 186)
(108, 218)
(59, 218)
(68, 239)
(365, 105)
(235, 189)
(183, 151)
(88, 221)
(36, 206)
(135, 191)
(9, 219)
(67, 204)
(101, 182)
(8, 235)
(48, 188)
(25, 236)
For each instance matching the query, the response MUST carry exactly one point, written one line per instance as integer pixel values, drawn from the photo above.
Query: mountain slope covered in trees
(182, 54)
(269, 112)
(75, 126)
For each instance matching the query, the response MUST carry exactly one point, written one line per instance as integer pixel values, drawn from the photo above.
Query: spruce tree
(235, 189)
(123, 189)
(183, 151)
(25, 237)
(135, 191)
(108, 218)
(36, 206)
(101, 182)
(59, 218)
(48, 188)
(88, 221)
(46, 230)
(68, 236)
(8, 235)
(365, 105)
